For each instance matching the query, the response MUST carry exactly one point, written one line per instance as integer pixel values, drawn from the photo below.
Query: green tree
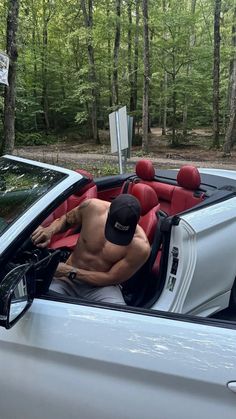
(216, 75)
(146, 74)
(10, 93)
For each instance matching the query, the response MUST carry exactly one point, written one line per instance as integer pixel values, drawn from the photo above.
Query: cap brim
(115, 236)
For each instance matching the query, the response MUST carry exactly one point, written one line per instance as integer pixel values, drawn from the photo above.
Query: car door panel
(66, 360)
(206, 270)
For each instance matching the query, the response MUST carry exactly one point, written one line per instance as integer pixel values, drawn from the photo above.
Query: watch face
(72, 275)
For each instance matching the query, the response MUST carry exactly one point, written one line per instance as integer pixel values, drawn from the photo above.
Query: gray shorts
(109, 294)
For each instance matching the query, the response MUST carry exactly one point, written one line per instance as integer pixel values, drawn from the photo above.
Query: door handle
(232, 386)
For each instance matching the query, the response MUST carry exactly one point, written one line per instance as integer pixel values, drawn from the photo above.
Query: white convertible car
(171, 352)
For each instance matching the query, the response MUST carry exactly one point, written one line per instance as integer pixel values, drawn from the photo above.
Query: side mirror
(16, 294)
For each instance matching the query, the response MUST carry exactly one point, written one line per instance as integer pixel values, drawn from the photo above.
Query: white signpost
(4, 66)
(118, 122)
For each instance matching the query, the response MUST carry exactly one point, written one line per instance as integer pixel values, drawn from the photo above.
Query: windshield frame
(44, 204)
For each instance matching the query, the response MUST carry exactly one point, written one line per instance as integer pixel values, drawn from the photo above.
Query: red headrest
(189, 177)
(146, 197)
(88, 185)
(145, 170)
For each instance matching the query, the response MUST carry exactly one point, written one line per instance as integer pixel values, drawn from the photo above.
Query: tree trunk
(164, 120)
(230, 135)
(88, 19)
(109, 61)
(35, 74)
(134, 88)
(146, 75)
(115, 85)
(10, 93)
(129, 36)
(45, 104)
(216, 75)
(188, 73)
(35, 44)
(231, 129)
(133, 69)
(174, 139)
(165, 83)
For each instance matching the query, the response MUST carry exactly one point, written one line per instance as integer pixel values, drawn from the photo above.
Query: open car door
(69, 360)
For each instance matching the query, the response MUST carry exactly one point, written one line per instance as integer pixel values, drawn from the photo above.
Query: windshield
(21, 185)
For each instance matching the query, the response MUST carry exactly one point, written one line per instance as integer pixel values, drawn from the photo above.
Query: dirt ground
(99, 160)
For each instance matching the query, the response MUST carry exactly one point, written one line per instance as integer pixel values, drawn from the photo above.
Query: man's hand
(62, 271)
(41, 237)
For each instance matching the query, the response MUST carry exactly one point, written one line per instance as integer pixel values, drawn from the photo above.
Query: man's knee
(110, 294)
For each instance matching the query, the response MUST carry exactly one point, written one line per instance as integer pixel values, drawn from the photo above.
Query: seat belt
(136, 282)
(157, 240)
(126, 186)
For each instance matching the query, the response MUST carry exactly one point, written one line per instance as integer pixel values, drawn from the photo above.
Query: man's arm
(41, 237)
(120, 272)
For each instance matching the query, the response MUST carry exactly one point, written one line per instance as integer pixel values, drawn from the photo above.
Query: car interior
(158, 201)
(164, 196)
(153, 196)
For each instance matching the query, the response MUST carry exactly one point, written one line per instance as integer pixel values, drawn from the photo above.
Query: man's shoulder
(140, 245)
(94, 204)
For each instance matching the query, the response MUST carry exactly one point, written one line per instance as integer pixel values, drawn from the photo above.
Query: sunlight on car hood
(230, 174)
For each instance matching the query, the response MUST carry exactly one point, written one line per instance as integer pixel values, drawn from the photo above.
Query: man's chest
(95, 244)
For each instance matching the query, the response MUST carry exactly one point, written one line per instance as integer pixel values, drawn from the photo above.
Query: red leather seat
(69, 242)
(136, 288)
(146, 174)
(173, 199)
(57, 213)
(69, 239)
(149, 206)
(144, 170)
(186, 194)
(88, 191)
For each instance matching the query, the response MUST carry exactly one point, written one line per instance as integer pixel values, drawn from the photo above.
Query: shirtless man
(111, 248)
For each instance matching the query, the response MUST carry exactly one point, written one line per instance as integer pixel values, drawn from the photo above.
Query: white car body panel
(198, 237)
(219, 172)
(73, 361)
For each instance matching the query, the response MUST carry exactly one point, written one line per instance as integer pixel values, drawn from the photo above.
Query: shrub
(34, 138)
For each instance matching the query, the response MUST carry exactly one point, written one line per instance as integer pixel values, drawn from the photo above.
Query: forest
(171, 62)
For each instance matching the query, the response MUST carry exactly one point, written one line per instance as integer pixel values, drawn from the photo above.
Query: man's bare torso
(93, 251)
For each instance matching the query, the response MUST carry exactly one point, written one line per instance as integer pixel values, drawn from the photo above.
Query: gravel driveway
(75, 159)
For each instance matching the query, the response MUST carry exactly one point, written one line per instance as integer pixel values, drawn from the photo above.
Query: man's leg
(62, 287)
(109, 294)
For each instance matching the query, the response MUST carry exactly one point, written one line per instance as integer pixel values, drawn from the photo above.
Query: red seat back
(149, 206)
(186, 194)
(173, 199)
(144, 170)
(88, 191)
(57, 213)
(148, 220)
(146, 174)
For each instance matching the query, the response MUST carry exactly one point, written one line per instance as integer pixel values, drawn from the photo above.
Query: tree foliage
(79, 60)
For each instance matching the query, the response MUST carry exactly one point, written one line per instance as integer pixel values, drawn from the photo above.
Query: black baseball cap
(124, 214)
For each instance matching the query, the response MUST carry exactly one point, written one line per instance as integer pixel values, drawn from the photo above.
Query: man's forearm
(42, 235)
(100, 279)
(59, 225)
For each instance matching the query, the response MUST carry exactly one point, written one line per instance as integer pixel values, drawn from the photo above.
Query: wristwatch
(72, 275)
